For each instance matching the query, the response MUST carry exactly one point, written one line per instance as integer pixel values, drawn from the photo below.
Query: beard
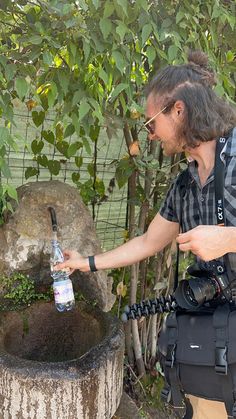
(179, 142)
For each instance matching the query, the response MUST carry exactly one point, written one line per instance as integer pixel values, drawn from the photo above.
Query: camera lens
(193, 293)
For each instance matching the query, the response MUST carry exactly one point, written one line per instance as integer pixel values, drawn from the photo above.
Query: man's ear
(178, 110)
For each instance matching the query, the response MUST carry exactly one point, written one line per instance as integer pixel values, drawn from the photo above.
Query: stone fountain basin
(60, 366)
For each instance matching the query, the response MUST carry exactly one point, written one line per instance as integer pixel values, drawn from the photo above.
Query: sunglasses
(150, 124)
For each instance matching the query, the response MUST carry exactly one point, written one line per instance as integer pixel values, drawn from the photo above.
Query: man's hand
(73, 260)
(208, 242)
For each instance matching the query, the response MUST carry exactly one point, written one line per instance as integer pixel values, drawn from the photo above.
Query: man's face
(165, 127)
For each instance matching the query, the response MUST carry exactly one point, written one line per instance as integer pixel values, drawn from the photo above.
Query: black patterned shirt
(198, 202)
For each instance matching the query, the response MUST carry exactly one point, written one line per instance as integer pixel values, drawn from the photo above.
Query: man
(184, 114)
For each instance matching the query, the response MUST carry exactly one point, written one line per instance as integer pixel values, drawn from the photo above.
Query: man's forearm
(159, 234)
(128, 253)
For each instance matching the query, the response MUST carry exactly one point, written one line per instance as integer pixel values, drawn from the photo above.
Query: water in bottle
(62, 285)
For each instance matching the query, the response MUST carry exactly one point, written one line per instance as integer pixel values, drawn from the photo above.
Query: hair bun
(199, 61)
(198, 58)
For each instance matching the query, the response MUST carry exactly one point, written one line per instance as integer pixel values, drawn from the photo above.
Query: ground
(128, 409)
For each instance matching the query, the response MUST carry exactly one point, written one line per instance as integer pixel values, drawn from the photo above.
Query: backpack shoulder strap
(172, 392)
(223, 369)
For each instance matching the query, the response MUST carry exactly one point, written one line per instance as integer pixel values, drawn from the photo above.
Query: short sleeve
(170, 208)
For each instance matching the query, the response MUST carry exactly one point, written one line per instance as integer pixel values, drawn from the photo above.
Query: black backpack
(197, 352)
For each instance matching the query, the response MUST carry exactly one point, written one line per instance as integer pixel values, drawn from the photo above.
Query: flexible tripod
(149, 307)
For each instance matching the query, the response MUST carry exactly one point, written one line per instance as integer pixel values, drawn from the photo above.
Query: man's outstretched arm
(159, 234)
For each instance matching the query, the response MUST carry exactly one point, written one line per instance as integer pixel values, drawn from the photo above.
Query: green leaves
(54, 167)
(108, 9)
(84, 108)
(70, 129)
(73, 148)
(122, 30)
(48, 136)
(124, 169)
(96, 3)
(172, 52)
(21, 87)
(179, 16)
(118, 89)
(105, 26)
(151, 54)
(38, 117)
(62, 146)
(36, 39)
(11, 192)
(78, 161)
(64, 79)
(19, 290)
(37, 146)
(146, 31)
(42, 160)
(119, 61)
(86, 63)
(124, 6)
(5, 136)
(4, 168)
(230, 56)
(47, 58)
(30, 172)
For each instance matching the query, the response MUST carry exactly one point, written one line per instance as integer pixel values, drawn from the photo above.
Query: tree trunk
(134, 268)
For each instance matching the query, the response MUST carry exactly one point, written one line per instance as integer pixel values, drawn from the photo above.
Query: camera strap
(219, 182)
(219, 196)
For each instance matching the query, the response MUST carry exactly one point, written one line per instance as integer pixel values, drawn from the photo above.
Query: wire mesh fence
(110, 215)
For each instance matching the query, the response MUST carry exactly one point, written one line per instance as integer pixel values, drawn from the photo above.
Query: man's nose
(152, 136)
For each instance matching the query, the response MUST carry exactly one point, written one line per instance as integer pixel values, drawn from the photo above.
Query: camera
(205, 287)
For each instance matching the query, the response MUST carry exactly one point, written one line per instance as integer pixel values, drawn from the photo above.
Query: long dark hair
(206, 115)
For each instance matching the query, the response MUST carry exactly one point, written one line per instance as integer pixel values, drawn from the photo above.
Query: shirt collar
(230, 146)
(193, 170)
(228, 150)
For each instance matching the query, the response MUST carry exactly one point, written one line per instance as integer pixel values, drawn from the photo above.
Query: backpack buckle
(166, 394)
(233, 295)
(170, 356)
(234, 410)
(221, 365)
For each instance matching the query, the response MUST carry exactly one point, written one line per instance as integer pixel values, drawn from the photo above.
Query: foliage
(88, 61)
(19, 290)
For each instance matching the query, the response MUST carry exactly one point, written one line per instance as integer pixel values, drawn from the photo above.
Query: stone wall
(25, 238)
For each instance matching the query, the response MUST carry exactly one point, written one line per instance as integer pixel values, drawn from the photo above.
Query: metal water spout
(53, 219)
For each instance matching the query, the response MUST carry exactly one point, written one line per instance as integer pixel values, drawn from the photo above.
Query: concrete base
(60, 366)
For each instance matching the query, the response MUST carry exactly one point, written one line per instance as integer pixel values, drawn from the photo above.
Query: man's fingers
(182, 238)
(59, 266)
(67, 253)
(185, 247)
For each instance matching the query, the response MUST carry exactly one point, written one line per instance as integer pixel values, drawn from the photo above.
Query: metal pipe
(53, 218)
